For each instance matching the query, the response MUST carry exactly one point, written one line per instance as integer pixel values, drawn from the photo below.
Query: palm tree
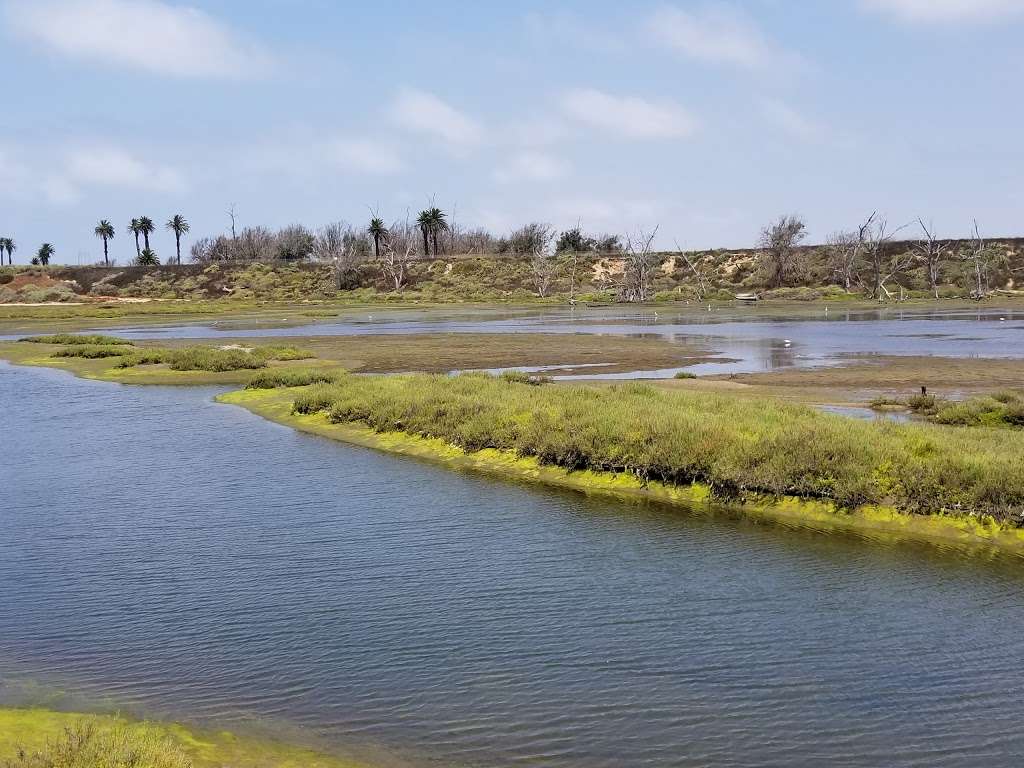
(6, 244)
(105, 231)
(179, 227)
(438, 223)
(423, 222)
(44, 253)
(147, 258)
(146, 227)
(377, 230)
(134, 229)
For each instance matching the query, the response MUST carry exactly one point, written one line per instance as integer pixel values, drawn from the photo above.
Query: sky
(707, 119)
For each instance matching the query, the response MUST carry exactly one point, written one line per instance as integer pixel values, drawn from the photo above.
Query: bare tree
(698, 265)
(874, 237)
(780, 241)
(844, 252)
(982, 257)
(231, 215)
(344, 249)
(639, 267)
(255, 244)
(398, 249)
(932, 252)
(542, 257)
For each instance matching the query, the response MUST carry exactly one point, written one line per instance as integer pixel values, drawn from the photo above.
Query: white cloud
(114, 167)
(425, 113)
(945, 11)
(628, 116)
(789, 120)
(139, 34)
(718, 34)
(531, 166)
(364, 155)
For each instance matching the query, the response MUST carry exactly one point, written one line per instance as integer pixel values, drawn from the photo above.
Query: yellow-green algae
(878, 521)
(31, 729)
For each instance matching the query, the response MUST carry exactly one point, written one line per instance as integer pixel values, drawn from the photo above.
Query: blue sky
(705, 118)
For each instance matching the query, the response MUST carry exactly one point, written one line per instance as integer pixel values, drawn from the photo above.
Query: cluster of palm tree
(431, 221)
(143, 227)
(8, 246)
(43, 255)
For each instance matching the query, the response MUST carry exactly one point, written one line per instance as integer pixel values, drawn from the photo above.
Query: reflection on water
(188, 559)
(743, 339)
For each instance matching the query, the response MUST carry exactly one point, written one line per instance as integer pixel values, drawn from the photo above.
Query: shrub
(522, 377)
(685, 375)
(88, 745)
(71, 338)
(284, 353)
(291, 377)
(91, 352)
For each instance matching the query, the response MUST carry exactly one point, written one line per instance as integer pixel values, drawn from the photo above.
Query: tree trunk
(177, 245)
(106, 261)
(433, 236)
(376, 245)
(426, 243)
(138, 251)
(145, 236)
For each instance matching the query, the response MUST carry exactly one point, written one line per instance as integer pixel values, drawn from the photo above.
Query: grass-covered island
(768, 457)
(41, 738)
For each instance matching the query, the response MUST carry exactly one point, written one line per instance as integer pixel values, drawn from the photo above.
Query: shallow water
(176, 557)
(745, 339)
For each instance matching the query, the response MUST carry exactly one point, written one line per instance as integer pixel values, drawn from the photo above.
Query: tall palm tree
(423, 222)
(134, 229)
(377, 230)
(179, 227)
(6, 244)
(438, 220)
(44, 254)
(146, 227)
(147, 258)
(105, 231)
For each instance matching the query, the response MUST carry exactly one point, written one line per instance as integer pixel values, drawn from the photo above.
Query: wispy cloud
(628, 116)
(717, 34)
(115, 167)
(145, 35)
(790, 120)
(947, 11)
(531, 166)
(425, 113)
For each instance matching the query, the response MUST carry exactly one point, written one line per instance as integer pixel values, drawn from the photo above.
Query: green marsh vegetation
(274, 378)
(92, 339)
(1001, 409)
(88, 744)
(734, 445)
(213, 358)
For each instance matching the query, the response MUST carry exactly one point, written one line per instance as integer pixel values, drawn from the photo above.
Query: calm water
(181, 558)
(745, 339)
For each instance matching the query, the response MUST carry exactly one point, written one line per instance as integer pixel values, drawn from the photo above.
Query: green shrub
(272, 378)
(88, 745)
(735, 445)
(71, 338)
(283, 353)
(91, 352)
(926, 404)
(522, 377)
(685, 375)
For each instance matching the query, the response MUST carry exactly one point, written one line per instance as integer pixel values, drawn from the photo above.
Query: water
(746, 339)
(172, 556)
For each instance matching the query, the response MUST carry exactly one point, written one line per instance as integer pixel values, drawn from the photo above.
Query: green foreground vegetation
(40, 738)
(733, 446)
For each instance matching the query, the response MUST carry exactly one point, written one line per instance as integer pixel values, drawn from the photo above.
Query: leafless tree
(398, 249)
(844, 252)
(639, 267)
(982, 257)
(231, 215)
(932, 252)
(698, 264)
(339, 245)
(294, 243)
(779, 242)
(874, 237)
(543, 264)
(255, 244)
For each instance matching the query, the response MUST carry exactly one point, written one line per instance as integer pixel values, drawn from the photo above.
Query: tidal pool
(175, 557)
(744, 339)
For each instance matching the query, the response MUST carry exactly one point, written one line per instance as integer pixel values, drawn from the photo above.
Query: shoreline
(876, 521)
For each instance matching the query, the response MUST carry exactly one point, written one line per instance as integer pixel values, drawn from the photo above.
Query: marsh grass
(93, 339)
(212, 358)
(1003, 409)
(522, 377)
(273, 378)
(685, 375)
(91, 745)
(735, 445)
(91, 352)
